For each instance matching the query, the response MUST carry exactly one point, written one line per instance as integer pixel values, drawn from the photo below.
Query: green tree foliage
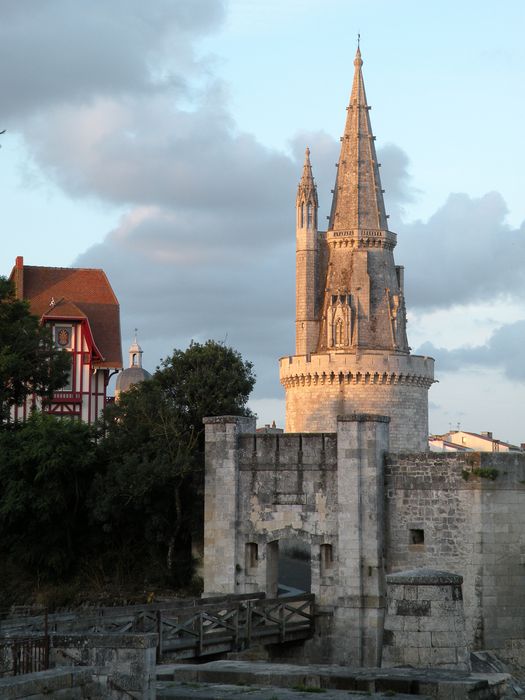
(207, 379)
(46, 470)
(29, 361)
(149, 498)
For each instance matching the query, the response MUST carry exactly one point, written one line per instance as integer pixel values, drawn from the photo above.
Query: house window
(68, 386)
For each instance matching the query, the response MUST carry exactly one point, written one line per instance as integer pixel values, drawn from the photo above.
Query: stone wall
(464, 513)
(55, 684)
(325, 492)
(360, 516)
(124, 662)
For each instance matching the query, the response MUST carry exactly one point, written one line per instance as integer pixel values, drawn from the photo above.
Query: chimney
(19, 277)
(487, 434)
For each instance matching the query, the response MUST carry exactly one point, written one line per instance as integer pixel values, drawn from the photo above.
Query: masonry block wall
(323, 490)
(320, 387)
(363, 512)
(464, 513)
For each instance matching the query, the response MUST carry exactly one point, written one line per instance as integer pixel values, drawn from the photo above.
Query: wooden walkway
(190, 628)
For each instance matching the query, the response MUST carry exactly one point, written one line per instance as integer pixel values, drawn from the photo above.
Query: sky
(164, 142)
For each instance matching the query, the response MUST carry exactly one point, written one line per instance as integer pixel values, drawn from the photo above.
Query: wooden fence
(191, 628)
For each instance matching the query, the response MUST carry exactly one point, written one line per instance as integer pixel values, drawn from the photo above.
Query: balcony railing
(66, 397)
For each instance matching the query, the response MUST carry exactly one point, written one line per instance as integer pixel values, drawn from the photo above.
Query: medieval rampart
(360, 513)
(464, 513)
(319, 387)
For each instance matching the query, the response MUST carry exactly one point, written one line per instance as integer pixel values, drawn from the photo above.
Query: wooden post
(201, 633)
(249, 624)
(46, 641)
(159, 636)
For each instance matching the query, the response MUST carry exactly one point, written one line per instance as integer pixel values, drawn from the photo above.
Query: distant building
(270, 429)
(439, 443)
(135, 373)
(83, 313)
(464, 441)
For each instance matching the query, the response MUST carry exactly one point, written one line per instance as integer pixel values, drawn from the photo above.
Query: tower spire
(358, 198)
(307, 190)
(307, 202)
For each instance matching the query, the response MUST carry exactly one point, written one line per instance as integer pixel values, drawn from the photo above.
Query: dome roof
(129, 377)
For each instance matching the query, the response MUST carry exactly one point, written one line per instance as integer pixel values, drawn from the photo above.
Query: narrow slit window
(327, 558)
(252, 557)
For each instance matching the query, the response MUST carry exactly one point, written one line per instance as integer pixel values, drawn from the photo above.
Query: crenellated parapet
(365, 369)
(321, 386)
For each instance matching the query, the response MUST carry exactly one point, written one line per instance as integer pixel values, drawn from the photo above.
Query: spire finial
(358, 61)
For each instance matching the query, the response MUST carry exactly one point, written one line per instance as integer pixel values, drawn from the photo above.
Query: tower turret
(135, 373)
(307, 323)
(352, 353)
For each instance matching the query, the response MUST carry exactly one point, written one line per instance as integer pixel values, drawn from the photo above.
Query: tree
(46, 470)
(207, 379)
(29, 362)
(149, 499)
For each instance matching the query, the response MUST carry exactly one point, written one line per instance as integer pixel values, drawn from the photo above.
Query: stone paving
(215, 691)
(261, 677)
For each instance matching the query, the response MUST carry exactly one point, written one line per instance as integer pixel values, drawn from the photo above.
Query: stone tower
(352, 353)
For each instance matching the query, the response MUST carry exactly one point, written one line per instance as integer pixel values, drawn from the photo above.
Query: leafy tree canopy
(207, 379)
(46, 469)
(150, 495)
(29, 361)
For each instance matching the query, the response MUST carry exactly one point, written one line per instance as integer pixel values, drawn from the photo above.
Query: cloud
(115, 104)
(464, 253)
(503, 350)
(61, 52)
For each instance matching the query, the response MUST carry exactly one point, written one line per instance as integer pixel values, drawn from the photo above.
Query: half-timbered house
(83, 313)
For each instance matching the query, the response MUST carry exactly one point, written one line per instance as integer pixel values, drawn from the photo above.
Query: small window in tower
(301, 216)
(134, 359)
(309, 215)
(251, 558)
(327, 559)
(417, 536)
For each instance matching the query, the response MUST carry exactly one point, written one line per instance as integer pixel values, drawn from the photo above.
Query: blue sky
(164, 145)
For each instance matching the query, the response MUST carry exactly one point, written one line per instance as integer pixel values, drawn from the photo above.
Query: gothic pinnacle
(307, 190)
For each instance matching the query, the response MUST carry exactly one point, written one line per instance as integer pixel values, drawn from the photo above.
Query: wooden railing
(23, 655)
(235, 626)
(190, 628)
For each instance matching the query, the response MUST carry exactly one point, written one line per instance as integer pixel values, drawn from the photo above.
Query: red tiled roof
(72, 290)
